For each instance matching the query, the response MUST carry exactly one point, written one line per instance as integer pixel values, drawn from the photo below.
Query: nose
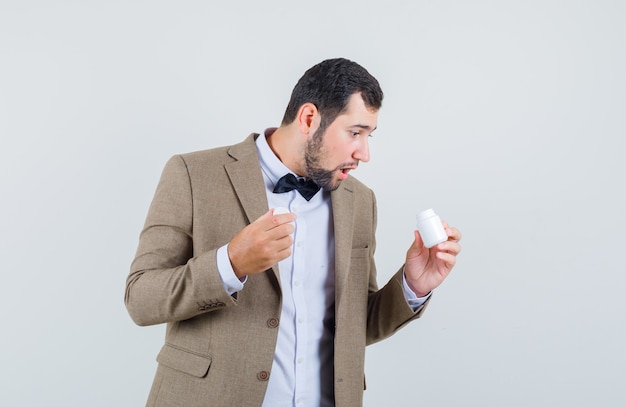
(362, 152)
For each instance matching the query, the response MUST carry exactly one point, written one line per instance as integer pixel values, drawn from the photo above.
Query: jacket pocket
(184, 361)
(360, 252)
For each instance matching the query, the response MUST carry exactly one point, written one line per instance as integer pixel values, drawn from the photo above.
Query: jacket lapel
(246, 178)
(247, 181)
(343, 219)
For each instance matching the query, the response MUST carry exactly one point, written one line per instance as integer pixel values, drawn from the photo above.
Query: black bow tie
(306, 187)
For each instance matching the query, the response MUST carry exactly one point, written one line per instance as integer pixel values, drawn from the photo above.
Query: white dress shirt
(302, 371)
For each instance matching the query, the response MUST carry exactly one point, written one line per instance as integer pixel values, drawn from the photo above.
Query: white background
(507, 117)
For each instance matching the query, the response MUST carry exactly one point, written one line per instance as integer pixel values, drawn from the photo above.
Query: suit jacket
(219, 348)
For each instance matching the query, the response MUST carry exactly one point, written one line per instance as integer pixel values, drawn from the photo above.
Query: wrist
(417, 290)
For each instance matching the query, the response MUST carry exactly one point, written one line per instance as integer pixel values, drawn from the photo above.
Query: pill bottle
(279, 210)
(430, 228)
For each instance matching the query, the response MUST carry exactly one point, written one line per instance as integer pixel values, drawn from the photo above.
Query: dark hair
(329, 85)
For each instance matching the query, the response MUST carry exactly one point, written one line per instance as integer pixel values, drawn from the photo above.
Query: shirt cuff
(414, 301)
(230, 281)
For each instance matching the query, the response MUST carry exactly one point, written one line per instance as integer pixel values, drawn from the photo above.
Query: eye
(354, 133)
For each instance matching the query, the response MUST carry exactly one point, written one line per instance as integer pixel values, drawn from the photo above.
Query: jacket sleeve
(168, 281)
(387, 307)
(388, 310)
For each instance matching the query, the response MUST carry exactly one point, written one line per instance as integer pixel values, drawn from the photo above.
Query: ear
(308, 118)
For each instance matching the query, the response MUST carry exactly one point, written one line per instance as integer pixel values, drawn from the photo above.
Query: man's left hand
(425, 269)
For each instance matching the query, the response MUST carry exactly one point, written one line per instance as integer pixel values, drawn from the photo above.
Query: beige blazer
(219, 348)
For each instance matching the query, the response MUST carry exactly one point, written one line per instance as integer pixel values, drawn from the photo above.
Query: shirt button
(272, 322)
(300, 320)
(296, 283)
(263, 375)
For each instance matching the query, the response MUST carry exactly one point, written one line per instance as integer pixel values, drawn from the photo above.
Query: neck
(287, 145)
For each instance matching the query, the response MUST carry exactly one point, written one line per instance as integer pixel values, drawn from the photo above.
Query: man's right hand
(261, 244)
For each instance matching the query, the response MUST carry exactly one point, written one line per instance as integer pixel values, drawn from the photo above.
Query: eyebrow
(364, 127)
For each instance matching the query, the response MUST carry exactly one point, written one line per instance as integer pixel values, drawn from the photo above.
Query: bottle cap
(428, 213)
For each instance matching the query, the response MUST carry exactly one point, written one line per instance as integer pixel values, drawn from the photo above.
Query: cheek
(335, 156)
(345, 153)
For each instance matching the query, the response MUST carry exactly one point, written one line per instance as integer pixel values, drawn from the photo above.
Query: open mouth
(345, 170)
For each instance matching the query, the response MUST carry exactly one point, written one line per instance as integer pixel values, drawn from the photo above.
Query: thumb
(418, 243)
(265, 216)
(416, 247)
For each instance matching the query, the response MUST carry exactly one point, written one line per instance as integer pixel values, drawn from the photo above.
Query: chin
(334, 185)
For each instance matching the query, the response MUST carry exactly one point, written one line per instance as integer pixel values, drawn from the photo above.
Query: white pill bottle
(430, 228)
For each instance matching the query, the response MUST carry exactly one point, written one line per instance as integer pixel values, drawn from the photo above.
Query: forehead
(359, 113)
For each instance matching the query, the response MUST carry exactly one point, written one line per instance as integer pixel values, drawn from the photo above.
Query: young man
(260, 259)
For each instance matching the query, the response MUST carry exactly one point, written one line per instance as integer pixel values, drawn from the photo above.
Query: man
(267, 284)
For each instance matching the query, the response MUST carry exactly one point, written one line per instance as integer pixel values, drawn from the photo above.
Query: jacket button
(272, 322)
(263, 375)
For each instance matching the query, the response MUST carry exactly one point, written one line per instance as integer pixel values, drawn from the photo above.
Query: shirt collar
(272, 167)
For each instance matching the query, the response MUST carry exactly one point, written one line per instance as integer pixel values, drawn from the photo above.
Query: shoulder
(215, 157)
(222, 154)
(211, 162)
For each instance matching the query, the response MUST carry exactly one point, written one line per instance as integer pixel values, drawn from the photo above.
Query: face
(330, 156)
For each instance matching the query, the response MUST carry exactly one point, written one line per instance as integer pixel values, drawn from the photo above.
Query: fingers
(447, 258)
(276, 241)
(447, 251)
(262, 243)
(273, 227)
(451, 246)
(270, 221)
(453, 233)
(271, 251)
